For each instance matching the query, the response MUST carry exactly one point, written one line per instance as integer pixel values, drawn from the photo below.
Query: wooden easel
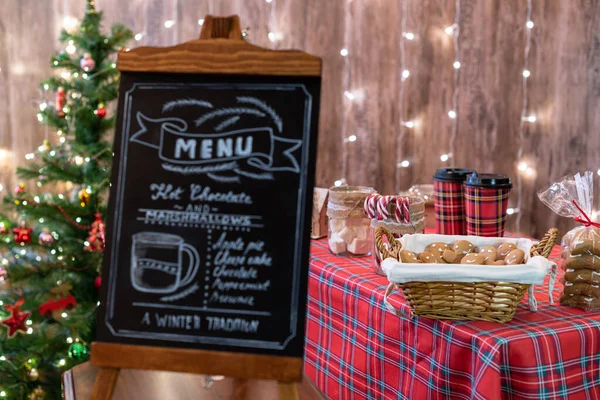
(112, 357)
(220, 50)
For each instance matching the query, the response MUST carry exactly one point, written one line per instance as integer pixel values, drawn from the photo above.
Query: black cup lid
(488, 181)
(452, 174)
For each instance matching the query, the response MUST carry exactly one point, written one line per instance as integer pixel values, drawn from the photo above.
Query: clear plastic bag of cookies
(573, 197)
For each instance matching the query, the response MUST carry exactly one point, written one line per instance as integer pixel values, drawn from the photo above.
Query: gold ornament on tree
(33, 374)
(45, 146)
(84, 196)
(20, 189)
(37, 394)
(53, 329)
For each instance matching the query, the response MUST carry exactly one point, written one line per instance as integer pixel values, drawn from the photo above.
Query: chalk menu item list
(209, 214)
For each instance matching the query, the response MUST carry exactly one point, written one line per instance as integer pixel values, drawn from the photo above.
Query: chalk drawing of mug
(157, 262)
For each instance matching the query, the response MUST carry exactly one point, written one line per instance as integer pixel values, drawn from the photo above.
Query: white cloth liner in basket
(533, 272)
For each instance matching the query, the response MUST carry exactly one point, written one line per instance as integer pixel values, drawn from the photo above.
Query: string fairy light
(522, 166)
(71, 49)
(351, 138)
(274, 34)
(454, 31)
(408, 35)
(348, 97)
(70, 23)
(405, 74)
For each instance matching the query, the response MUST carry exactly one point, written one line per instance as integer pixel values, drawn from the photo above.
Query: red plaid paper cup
(486, 201)
(449, 201)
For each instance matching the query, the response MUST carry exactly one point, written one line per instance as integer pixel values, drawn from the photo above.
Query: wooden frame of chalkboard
(206, 262)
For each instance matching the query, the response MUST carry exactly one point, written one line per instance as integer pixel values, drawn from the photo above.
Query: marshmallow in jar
(349, 228)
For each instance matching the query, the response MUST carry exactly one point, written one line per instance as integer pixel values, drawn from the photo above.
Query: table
(356, 349)
(155, 385)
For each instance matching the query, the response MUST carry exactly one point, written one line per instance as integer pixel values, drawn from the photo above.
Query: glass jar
(414, 224)
(425, 191)
(349, 230)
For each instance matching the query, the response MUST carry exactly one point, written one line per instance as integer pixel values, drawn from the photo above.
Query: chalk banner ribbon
(259, 146)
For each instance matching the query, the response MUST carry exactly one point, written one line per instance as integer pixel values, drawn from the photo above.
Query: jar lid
(422, 190)
(452, 174)
(488, 181)
(347, 201)
(351, 189)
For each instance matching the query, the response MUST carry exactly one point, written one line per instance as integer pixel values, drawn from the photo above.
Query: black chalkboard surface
(209, 213)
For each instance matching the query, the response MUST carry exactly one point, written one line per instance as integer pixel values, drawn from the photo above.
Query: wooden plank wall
(564, 87)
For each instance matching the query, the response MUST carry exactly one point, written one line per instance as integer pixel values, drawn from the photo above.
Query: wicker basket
(397, 229)
(485, 301)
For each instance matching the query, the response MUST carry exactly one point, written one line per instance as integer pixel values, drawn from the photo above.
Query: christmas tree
(53, 252)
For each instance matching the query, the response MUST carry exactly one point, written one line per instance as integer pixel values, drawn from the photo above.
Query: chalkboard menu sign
(209, 215)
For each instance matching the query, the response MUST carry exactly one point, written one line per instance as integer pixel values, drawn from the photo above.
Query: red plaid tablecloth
(355, 349)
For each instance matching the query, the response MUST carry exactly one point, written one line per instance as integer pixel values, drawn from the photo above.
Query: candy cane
(373, 204)
(398, 212)
(406, 209)
(369, 206)
(382, 207)
(366, 206)
(402, 212)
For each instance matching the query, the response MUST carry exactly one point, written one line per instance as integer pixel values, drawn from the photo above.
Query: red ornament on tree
(20, 189)
(100, 111)
(16, 321)
(22, 233)
(95, 241)
(60, 298)
(60, 101)
(98, 282)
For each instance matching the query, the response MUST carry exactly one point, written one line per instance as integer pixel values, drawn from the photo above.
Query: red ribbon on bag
(586, 220)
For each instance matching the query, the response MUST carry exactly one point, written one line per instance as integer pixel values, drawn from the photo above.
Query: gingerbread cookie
(584, 289)
(451, 257)
(428, 258)
(473, 258)
(580, 301)
(583, 275)
(408, 257)
(490, 254)
(504, 249)
(437, 248)
(583, 261)
(516, 256)
(586, 246)
(463, 247)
